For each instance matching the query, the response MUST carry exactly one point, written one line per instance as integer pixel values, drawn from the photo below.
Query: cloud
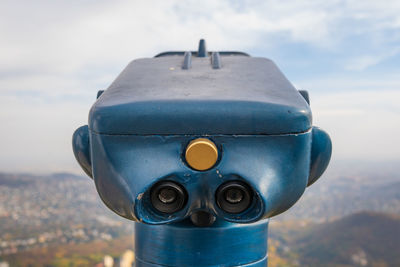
(363, 62)
(350, 82)
(363, 125)
(48, 36)
(55, 55)
(361, 114)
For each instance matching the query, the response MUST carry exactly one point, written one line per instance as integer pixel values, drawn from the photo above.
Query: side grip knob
(321, 151)
(81, 148)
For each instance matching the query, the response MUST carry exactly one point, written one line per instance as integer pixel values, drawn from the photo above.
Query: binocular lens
(168, 197)
(234, 197)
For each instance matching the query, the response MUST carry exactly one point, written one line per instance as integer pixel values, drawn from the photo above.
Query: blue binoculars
(199, 149)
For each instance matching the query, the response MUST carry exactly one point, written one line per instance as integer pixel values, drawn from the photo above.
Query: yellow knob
(201, 154)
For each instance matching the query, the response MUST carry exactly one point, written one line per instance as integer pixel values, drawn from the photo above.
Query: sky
(56, 55)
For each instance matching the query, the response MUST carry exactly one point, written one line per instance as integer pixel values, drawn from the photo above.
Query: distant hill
(15, 180)
(67, 176)
(22, 180)
(361, 239)
(335, 197)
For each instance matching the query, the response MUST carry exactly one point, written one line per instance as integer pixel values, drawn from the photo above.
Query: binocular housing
(206, 136)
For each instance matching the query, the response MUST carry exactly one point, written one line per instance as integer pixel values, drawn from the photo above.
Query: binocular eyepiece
(168, 197)
(232, 197)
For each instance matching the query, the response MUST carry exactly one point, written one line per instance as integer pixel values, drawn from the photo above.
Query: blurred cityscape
(37, 211)
(60, 216)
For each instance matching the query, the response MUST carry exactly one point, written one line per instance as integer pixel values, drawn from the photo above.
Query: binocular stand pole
(184, 244)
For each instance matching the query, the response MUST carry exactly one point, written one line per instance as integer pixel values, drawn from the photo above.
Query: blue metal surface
(320, 154)
(141, 125)
(245, 96)
(124, 166)
(202, 51)
(223, 244)
(81, 148)
(194, 53)
(305, 95)
(215, 60)
(187, 61)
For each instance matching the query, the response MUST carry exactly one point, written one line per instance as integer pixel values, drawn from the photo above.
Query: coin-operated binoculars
(199, 149)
